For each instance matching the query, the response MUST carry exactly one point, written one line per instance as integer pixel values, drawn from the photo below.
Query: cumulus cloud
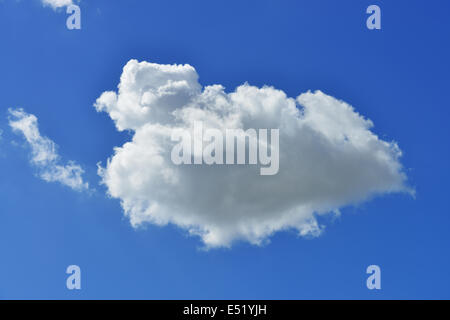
(57, 3)
(328, 157)
(43, 153)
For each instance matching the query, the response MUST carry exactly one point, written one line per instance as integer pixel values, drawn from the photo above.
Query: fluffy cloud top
(43, 153)
(329, 158)
(57, 3)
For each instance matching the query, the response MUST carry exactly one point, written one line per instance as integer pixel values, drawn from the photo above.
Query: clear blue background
(398, 77)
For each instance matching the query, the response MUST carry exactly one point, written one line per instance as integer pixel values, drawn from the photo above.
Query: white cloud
(57, 3)
(43, 153)
(329, 158)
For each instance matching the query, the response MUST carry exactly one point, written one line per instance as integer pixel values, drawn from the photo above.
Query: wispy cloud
(44, 154)
(57, 3)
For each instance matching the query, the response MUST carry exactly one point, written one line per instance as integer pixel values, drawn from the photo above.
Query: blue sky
(396, 76)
